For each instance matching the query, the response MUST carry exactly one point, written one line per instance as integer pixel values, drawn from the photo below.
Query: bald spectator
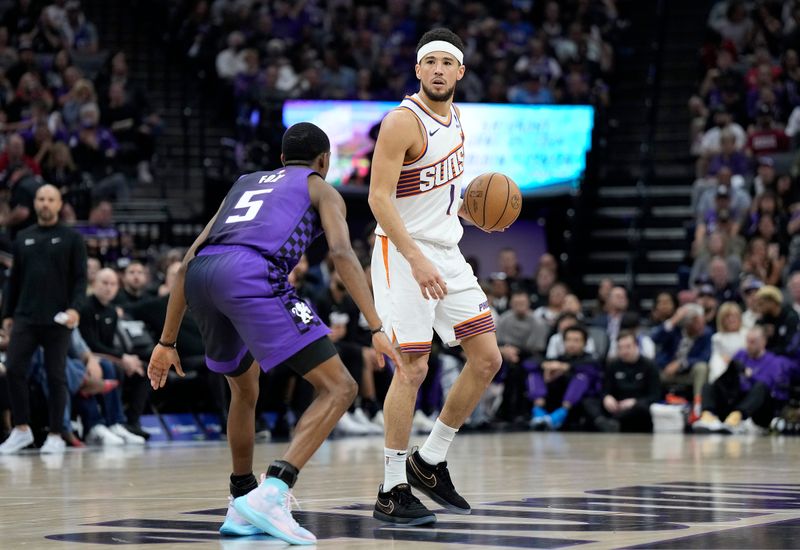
(99, 329)
(46, 290)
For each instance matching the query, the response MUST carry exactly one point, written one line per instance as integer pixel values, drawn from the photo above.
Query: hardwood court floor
(528, 490)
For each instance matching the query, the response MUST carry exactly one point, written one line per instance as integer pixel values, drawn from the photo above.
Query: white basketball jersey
(428, 192)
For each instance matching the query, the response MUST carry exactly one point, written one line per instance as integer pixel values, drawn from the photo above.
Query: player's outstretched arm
(164, 353)
(332, 212)
(399, 132)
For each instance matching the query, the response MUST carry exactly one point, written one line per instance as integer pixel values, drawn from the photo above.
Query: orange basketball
(493, 201)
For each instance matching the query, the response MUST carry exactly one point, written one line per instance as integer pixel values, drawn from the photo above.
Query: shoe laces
(405, 497)
(289, 498)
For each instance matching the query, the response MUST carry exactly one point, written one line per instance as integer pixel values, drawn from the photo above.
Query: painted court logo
(664, 515)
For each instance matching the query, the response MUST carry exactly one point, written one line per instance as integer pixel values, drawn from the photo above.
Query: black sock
(370, 406)
(283, 471)
(241, 485)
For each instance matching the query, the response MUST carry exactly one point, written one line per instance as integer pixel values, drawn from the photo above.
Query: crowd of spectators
(70, 114)
(262, 53)
(746, 197)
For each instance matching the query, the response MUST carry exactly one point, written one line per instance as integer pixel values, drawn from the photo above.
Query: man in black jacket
(632, 384)
(46, 290)
(98, 328)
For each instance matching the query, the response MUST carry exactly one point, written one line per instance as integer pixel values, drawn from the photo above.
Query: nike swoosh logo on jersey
(430, 480)
(436, 130)
(386, 508)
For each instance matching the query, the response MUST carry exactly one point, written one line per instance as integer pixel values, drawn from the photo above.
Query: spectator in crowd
(565, 381)
(730, 158)
(727, 340)
(793, 288)
(104, 427)
(765, 137)
(499, 293)
(779, 321)
(103, 239)
(752, 387)
(99, 329)
(712, 213)
(549, 313)
(37, 314)
(341, 314)
(707, 299)
(718, 245)
(135, 281)
(555, 344)
(19, 173)
(711, 142)
(631, 385)
(133, 129)
(95, 149)
(520, 336)
(663, 308)
(615, 308)
(83, 33)
(763, 260)
(685, 349)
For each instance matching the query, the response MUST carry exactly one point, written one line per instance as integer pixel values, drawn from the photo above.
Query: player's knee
(247, 395)
(414, 372)
(348, 390)
(489, 364)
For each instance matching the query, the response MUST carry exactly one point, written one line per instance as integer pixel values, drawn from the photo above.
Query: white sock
(394, 471)
(434, 450)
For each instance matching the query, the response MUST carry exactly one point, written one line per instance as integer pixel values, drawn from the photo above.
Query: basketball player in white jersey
(422, 282)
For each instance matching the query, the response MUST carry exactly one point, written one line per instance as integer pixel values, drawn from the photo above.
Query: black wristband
(173, 345)
(377, 330)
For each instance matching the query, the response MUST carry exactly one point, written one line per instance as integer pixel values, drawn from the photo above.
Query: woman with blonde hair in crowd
(729, 338)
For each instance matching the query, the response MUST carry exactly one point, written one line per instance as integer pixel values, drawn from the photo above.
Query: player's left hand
(162, 359)
(383, 346)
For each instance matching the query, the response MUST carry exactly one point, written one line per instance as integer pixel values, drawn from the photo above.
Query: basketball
(493, 201)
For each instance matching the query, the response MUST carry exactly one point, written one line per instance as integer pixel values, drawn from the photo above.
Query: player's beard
(442, 96)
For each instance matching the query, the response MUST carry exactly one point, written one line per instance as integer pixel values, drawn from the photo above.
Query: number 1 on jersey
(246, 202)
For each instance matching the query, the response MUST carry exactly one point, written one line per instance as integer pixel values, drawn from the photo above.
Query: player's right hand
(160, 362)
(383, 347)
(427, 276)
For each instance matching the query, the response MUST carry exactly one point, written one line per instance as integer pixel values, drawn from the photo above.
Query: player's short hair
(303, 142)
(441, 34)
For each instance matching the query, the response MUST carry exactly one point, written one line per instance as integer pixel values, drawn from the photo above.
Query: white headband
(440, 46)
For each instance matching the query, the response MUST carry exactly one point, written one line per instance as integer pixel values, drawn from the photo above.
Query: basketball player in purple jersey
(422, 282)
(234, 279)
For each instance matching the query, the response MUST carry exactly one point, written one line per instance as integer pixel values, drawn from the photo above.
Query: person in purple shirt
(753, 386)
(565, 381)
(729, 157)
(235, 280)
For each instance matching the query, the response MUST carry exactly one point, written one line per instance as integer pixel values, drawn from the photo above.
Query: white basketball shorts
(408, 318)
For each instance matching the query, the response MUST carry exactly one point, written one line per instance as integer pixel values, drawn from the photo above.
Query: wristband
(173, 345)
(377, 330)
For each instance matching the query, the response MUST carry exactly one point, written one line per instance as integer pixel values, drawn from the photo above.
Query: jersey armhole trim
(424, 132)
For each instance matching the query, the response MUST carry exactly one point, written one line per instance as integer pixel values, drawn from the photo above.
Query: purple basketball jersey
(270, 212)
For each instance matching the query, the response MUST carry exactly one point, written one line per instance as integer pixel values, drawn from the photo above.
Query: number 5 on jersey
(247, 202)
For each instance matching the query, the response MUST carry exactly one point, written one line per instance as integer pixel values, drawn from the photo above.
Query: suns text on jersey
(442, 172)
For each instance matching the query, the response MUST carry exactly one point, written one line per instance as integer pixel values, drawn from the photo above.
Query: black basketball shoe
(435, 482)
(398, 505)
